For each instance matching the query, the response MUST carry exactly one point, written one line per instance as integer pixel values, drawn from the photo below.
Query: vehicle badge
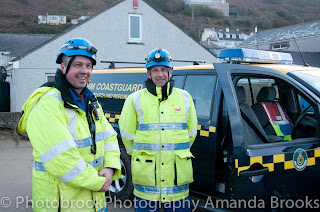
(300, 159)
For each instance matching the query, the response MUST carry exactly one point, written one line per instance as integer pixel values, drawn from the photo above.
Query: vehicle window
(304, 104)
(201, 88)
(274, 107)
(256, 85)
(178, 81)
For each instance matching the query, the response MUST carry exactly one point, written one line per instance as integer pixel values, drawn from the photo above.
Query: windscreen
(310, 79)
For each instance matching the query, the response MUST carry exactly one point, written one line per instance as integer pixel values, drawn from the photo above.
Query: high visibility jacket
(278, 119)
(158, 135)
(65, 173)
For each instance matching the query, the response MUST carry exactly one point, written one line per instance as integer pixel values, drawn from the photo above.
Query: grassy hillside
(266, 14)
(20, 16)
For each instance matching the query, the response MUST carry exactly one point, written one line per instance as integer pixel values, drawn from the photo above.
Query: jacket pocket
(143, 169)
(183, 167)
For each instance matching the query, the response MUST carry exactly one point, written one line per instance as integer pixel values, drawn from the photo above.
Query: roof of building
(230, 31)
(284, 34)
(224, 32)
(19, 44)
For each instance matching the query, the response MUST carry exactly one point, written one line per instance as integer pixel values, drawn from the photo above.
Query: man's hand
(107, 173)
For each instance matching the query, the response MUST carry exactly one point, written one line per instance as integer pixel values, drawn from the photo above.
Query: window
(256, 85)
(50, 77)
(227, 35)
(234, 36)
(279, 46)
(178, 81)
(135, 28)
(284, 106)
(201, 88)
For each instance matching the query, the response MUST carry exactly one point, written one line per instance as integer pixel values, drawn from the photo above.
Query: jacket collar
(62, 84)
(161, 93)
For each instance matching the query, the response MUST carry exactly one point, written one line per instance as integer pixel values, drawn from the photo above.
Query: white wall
(109, 32)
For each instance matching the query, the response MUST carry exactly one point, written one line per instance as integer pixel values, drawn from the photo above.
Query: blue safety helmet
(159, 57)
(77, 46)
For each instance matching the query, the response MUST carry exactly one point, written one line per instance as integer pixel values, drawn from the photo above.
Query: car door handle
(250, 173)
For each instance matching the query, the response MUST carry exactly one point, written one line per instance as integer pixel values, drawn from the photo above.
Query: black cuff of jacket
(114, 170)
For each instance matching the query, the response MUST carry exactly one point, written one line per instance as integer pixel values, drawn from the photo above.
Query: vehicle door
(202, 85)
(272, 174)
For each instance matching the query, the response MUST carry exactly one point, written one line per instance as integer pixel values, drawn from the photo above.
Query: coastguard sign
(116, 85)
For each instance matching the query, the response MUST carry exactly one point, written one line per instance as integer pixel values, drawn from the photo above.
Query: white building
(52, 19)
(221, 5)
(227, 38)
(78, 20)
(123, 32)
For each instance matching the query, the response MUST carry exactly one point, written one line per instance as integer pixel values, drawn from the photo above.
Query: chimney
(227, 29)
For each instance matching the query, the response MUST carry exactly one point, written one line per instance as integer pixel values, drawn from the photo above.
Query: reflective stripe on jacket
(65, 171)
(278, 119)
(159, 135)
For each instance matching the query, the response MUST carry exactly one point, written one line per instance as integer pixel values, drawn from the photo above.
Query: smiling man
(158, 125)
(75, 149)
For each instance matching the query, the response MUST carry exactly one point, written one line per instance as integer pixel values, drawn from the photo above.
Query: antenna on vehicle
(304, 61)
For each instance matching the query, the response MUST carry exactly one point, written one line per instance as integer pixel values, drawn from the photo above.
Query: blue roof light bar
(254, 56)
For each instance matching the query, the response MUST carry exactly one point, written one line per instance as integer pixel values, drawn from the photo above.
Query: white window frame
(281, 46)
(49, 75)
(140, 28)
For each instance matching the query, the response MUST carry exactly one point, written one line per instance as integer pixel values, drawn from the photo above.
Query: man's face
(79, 73)
(159, 75)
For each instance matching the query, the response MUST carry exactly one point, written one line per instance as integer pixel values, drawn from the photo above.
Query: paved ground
(16, 164)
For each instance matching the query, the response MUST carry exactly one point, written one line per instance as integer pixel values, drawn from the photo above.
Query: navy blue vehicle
(241, 161)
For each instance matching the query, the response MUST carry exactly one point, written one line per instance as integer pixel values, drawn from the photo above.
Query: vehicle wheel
(122, 188)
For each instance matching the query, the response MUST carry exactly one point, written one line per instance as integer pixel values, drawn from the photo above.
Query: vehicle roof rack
(113, 63)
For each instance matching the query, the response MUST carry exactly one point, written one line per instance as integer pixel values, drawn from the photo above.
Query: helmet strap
(69, 63)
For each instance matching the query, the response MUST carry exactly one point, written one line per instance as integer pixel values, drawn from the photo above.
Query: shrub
(282, 13)
(43, 30)
(243, 23)
(264, 23)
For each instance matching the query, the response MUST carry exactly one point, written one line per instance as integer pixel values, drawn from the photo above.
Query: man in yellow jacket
(158, 125)
(75, 149)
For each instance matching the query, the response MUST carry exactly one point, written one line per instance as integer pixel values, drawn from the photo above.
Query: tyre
(122, 188)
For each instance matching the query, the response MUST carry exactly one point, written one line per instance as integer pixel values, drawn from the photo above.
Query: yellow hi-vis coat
(65, 173)
(159, 135)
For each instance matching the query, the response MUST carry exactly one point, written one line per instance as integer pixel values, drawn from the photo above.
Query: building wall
(209, 33)
(109, 33)
(221, 5)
